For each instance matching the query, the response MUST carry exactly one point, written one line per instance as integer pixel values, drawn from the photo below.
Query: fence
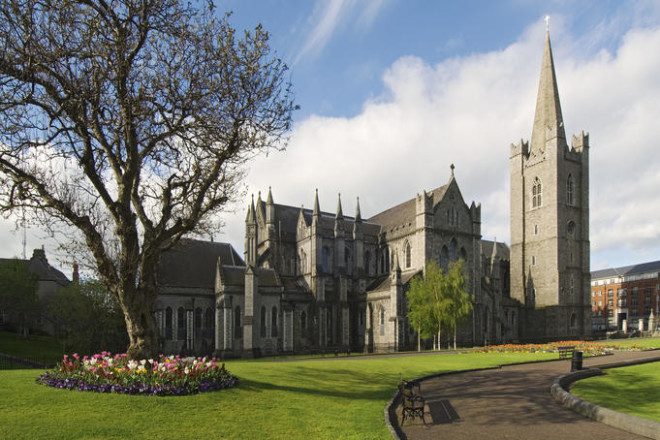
(14, 363)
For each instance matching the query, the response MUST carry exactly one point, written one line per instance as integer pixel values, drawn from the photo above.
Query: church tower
(550, 221)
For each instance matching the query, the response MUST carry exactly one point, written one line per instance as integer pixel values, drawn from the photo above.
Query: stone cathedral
(320, 280)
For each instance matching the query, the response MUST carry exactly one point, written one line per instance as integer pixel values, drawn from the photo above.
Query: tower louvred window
(537, 191)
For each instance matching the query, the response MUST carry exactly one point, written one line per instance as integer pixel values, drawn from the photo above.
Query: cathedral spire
(358, 214)
(340, 214)
(548, 121)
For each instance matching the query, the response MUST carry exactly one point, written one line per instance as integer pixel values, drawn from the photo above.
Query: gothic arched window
(569, 190)
(262, 330)
(303, 321)
(444, 258)
(537, 191)
(453, 250)
(325, 259)
(181, 324)
(168, 323)
(198, 318)
(238, 328)
(408, 254)
(273, 323)
(303, 262)
(209, 322)
(463, 254)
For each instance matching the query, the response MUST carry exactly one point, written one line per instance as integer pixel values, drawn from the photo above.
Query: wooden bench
(412, 402)
(566, 352)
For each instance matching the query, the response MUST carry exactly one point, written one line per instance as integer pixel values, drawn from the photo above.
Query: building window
(573, 321)
(262, 331)
(408, 254)
(238, 328)
(536, 229)
(198, 319)
(303, 262)
(325, 259)
(537, 191)
(533, 260)
(168, 323)
(209, 322)
(444, 258)
(303, 321)
(382, 321)
(570, 228)
(273, 323)
(181, 324)
(569, 190)
(453, 250)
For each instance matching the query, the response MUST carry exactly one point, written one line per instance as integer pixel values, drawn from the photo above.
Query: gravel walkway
(513, 402)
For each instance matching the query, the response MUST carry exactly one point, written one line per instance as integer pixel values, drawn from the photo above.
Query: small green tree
(459, 302)
(87, 318)
(18, 295)
(438, 300)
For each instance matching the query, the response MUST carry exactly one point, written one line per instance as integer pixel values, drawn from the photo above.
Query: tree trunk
(141, 328)
(439, 339)
(454, 337)
(137, 305)
(419, 339)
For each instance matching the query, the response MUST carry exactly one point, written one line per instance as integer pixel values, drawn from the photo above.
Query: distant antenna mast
(24, 241)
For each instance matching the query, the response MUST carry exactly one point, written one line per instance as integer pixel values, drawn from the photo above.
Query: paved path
(513, 402)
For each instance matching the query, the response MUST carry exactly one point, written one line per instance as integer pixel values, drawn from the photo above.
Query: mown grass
(639, 342)
(634, 390)
(320, 399)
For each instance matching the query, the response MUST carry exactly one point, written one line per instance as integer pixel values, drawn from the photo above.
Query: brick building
(627, 293)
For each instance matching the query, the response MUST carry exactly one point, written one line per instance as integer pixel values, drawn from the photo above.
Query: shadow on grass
(329, 382)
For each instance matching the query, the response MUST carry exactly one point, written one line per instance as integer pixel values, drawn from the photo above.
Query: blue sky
(392, 92)
(343, 46)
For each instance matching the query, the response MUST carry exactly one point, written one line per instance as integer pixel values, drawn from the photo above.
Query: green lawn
(319, 399)
(640, 342)
(45, 349)
(634, 390)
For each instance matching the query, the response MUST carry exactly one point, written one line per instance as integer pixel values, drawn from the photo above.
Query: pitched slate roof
(39, 266)
(502, 250)
(405, 212)
(652, 266)
(192, 263)
(235, 276)
(383, 283)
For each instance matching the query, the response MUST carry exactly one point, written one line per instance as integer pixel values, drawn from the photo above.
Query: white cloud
(329, 14)
(467, 111)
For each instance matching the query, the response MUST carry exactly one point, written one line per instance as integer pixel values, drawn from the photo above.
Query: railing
(8, 362)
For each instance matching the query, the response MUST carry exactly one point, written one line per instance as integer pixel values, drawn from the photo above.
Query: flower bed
(163, 376)
(588, 348)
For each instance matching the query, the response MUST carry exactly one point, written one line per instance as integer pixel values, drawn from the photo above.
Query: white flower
(132, 365)
(186, 370)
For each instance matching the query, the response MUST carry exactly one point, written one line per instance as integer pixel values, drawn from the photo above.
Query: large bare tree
(129, 122)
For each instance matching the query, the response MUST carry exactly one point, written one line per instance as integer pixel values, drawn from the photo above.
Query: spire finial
(317, 209)
(452, 169)
(269, 200)
(358, 214)
(340, 214)
(547, 23)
